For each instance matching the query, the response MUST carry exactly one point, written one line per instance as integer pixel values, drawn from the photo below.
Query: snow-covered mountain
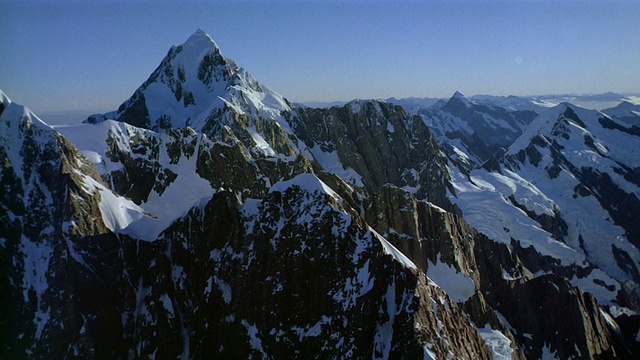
(196, 86)
(413, 104)
(536, 103)
(473, 133)
(589, 101)
(626, 112)
(208, 217)
(566, 190)
(511, 102)
(588, 165)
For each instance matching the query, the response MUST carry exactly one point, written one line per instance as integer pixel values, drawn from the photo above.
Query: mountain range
(511, 102)
(208, 216)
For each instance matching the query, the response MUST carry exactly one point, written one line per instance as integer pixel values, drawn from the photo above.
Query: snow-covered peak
(511, 102)
(570, 124)
(14, 114)
(4, 98)
(198, 48)
(458, 95)
(196, 86)
(541, 125)
(458, 99)
(200, 39)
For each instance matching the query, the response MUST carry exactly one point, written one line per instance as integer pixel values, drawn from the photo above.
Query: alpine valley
(208, 217)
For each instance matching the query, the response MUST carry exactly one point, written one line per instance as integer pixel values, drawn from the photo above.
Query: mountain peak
(457, 100)
(4, 99)
(198, 47)
(458, 95)
(201, 39)
(12, 112)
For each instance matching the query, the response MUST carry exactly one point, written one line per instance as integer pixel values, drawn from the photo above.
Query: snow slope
(187, 190)
(548, 193)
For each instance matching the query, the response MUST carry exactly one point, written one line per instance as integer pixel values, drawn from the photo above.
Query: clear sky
(92, 55)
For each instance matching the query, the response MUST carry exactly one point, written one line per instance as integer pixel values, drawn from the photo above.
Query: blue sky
(62, 55)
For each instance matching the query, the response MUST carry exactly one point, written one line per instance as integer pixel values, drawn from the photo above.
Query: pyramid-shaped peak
(460, 97)
(457, 100)
(200, 39)
(201, 32)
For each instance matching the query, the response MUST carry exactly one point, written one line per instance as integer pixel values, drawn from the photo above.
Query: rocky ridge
(301, 232)
(473, 133)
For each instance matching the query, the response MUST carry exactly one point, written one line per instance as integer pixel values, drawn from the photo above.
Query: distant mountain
(589, 101)
(536, 103)
(473, 133)
(512, 103)
(414, 104)
(626, 112)
(573, 173)
(208, 217)
(583, 159)
(320, 104)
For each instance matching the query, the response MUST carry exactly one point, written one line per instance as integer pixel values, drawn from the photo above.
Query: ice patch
(330, 161)
(384, 332)
(168, 305)
(93, 156)
(355, 288)
(427, 353)
(391, 250)
(254, 340)
(460, 287)
(36, 264)
(390, 128)
(597, 283)
(40, 320)
(612, 323)
(313, 330)
(547, 354)
(306, 181)
(224, 288)
(261, 144)
(497, 342)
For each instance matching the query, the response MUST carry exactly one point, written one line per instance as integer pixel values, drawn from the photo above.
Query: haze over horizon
(72, 55)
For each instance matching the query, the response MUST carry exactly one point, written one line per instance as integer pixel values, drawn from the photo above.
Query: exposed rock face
(375, 144)
(547, 306)
(558, 198)
(51, 201)
(316, 274)
(320, 283)
(206, 217)
(499, 287)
